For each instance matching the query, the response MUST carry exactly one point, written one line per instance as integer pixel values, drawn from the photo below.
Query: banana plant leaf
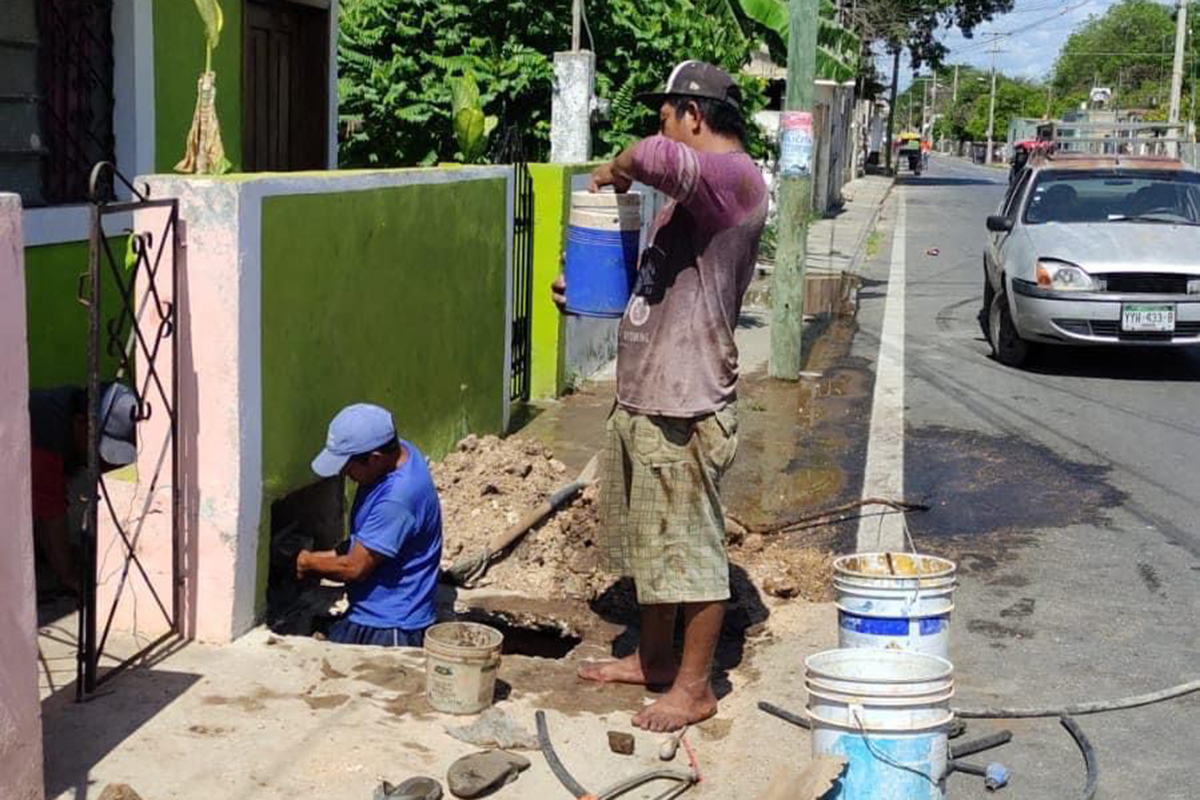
(837, 46)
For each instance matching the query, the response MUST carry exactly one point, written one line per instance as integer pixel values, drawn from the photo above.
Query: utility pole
(954, 99)
(796, 149)
(992, 103)
(924, 105)
(1177, 69)
(892, 105)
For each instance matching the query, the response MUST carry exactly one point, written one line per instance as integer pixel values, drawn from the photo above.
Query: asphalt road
(1069, 495)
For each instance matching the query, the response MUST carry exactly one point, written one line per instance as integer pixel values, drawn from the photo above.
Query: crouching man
(395, 547)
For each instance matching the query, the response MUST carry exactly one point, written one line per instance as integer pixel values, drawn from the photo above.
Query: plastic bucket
(602, 252)
(461, 662)
(887, 712)
(896, 601)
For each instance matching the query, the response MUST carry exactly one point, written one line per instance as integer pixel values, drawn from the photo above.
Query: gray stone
(482, 773)
(419, 788)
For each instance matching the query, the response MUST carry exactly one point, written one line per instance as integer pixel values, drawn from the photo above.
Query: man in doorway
(58, 421)
(673, 432)
(395, 548)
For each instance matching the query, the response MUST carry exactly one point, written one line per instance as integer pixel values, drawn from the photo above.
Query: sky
(1038, 27)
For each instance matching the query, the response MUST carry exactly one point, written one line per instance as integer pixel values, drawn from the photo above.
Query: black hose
(784, 714)
(1089, 756)
(556, 766)
(979, 745)
(1080, 708)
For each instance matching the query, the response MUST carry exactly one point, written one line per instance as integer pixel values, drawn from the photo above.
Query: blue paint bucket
(888, 714)
(896, 601)
(602, 252)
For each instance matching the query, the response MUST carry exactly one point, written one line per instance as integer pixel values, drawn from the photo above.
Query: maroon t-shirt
(676, 353)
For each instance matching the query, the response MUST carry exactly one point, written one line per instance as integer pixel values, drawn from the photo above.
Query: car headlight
(1060, 276)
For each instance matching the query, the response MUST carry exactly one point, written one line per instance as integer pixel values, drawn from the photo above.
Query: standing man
(673, 433)
(395, 548)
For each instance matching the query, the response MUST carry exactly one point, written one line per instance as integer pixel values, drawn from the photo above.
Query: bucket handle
(855, 708)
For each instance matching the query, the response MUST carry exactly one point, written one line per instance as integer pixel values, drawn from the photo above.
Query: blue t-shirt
(398, 517)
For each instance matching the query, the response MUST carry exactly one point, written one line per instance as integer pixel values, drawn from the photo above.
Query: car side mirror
(999, 224)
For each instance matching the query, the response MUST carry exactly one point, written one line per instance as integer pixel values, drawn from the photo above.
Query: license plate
(1155, 318)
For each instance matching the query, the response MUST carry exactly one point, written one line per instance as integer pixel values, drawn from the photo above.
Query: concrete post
(20, 709)
(571, 107)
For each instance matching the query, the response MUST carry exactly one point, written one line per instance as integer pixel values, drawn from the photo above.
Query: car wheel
(985, 310)
(1007, 345)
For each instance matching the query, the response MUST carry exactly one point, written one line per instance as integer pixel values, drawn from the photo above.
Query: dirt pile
(488, 484)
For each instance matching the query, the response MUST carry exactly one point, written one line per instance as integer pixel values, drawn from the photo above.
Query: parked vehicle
(1093, 250)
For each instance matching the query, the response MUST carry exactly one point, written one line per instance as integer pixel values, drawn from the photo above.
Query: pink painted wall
(219, 477)
(20, 709)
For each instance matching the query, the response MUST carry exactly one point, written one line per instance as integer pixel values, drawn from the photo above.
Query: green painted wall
(392, 296)
(178, 62)
(551, 207)
(58, 322)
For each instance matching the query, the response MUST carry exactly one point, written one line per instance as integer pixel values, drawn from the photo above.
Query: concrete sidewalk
(287, 717)
(837, 243)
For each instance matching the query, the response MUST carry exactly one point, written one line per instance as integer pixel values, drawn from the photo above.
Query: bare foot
(627, 670)
(676, 709)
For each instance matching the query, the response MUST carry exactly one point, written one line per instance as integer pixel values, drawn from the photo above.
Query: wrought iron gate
(511, 150)
(138, 336)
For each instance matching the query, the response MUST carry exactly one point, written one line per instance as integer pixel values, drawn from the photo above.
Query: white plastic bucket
(887, 712)
(895, 601)
(461, 662)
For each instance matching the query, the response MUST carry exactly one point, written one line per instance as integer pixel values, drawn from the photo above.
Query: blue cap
(356, 429)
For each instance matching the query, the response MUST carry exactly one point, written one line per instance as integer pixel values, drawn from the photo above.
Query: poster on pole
(795, 143)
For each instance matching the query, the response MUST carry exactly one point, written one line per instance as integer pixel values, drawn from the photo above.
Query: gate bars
(144, 327)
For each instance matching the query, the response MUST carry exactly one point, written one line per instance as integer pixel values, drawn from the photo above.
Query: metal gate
(137, 337)
(511, 150)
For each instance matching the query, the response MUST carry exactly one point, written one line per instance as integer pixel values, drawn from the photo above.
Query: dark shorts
(346, 632)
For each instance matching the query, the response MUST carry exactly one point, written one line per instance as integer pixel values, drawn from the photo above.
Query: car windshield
(1117, 196)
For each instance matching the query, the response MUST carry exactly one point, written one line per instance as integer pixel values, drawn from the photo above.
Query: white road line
(880, 528)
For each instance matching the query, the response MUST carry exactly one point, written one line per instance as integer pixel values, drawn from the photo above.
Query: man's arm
(664, 164)
(354, 566)
(617, 173)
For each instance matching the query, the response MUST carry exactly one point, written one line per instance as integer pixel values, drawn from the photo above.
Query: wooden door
(285, 114)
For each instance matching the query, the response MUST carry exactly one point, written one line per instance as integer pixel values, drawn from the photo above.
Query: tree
(638, 42)
(1128, 49)
(398, 60)
(914, 24)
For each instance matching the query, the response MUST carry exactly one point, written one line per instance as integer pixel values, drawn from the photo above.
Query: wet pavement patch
(977, 483)
(995, 630)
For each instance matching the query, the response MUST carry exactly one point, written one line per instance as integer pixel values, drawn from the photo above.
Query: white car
(1094, 250)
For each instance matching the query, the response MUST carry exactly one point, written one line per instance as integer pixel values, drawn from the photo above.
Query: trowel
(467, 571)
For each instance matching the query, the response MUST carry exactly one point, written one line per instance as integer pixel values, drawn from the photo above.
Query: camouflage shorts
(660, 506)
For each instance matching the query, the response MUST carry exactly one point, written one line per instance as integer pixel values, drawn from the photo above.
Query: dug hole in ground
(275, 716)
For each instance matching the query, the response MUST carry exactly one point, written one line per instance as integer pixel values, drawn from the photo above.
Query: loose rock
(481, 773)
(621, 743)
